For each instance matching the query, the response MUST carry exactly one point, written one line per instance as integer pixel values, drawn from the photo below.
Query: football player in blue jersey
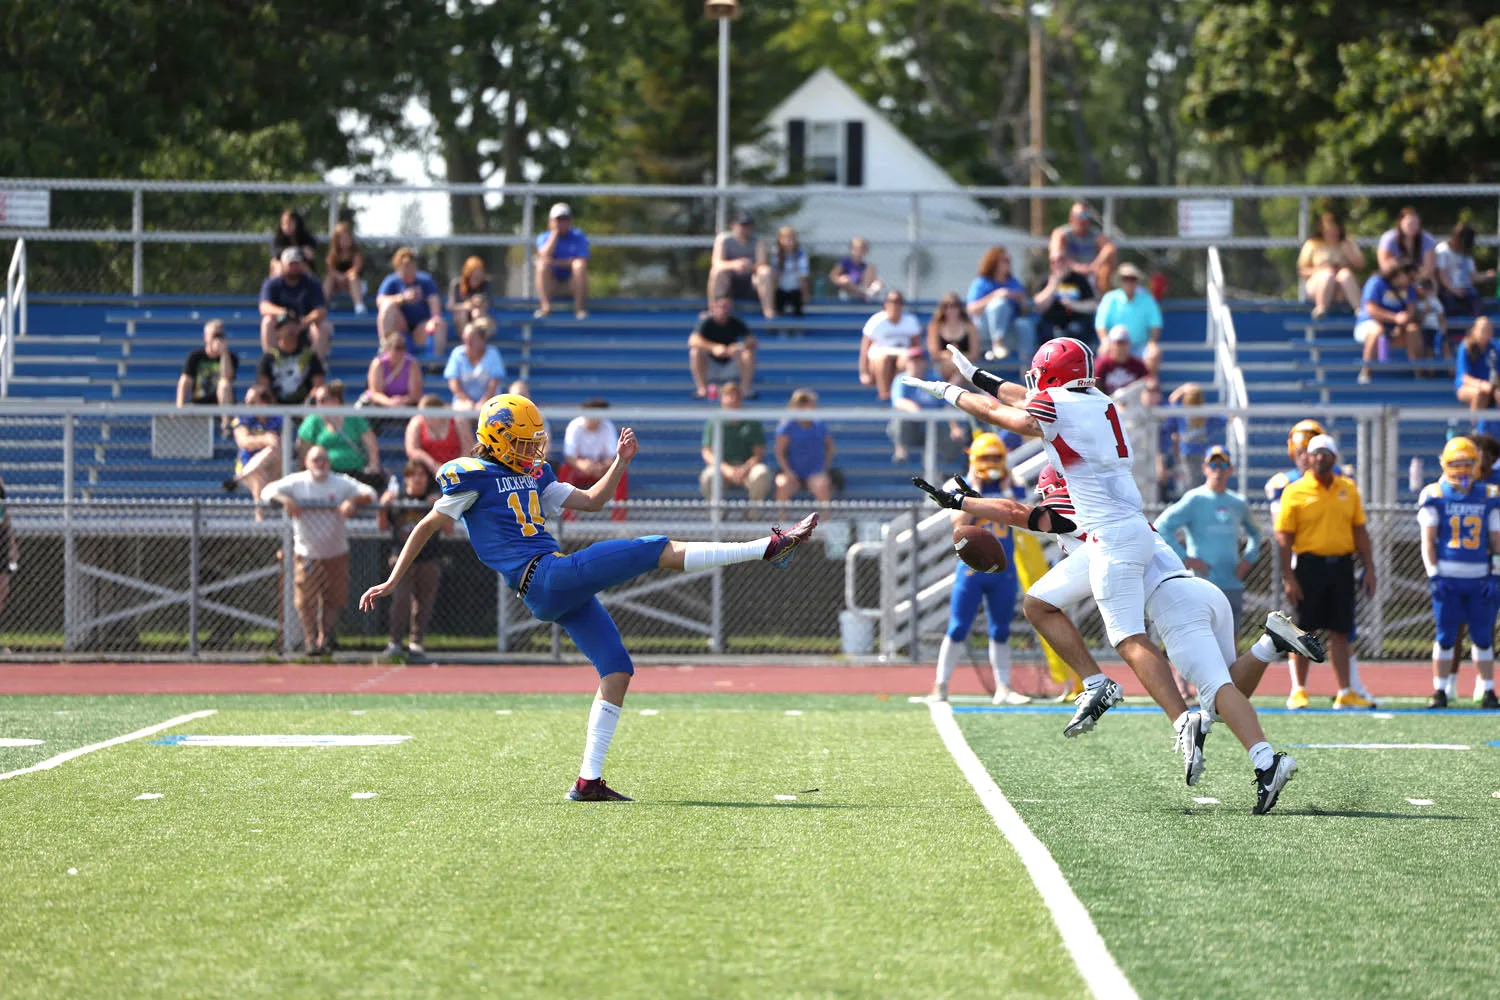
(1460, 519)
(990, 475)
(505, 493)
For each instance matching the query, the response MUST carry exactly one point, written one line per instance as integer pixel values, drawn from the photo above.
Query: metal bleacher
(629, 352)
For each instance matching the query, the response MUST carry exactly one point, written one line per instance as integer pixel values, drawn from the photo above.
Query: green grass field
(257, 874)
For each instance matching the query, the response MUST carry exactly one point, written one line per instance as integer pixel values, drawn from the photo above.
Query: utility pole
(1037, 115)
(722, 11)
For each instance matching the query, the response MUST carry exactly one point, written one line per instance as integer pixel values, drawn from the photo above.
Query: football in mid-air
(979, 549)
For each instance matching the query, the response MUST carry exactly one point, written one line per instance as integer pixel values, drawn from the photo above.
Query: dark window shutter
(854, 154)
(796, 148)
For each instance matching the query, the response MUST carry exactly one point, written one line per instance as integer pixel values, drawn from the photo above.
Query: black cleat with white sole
(1270, 782)
(1287, 637)
(1190, 738)
(1093, 703)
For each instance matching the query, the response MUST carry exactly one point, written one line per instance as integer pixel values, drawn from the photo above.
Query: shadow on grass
(766, 805)
(1361, 814)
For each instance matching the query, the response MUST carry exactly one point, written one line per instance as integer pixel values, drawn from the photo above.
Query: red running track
(1383, 679)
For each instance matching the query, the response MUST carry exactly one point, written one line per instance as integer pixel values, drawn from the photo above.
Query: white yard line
(63, 758)
(1079, 935)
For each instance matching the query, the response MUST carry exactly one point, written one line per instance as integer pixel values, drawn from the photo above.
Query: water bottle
(1414, 478)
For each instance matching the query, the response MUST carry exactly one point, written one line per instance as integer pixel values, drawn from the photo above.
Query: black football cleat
(1439, 700)
(783, 543)
(1093, 703)
(1270, 782)
(1489, 700)
(595, 790)
(1287, 637)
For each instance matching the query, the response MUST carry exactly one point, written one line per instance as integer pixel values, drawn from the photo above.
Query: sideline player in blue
(1460, 519)
(505, 492)
(989, 473)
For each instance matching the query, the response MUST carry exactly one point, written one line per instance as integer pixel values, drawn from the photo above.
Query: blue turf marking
(1147, 709)
(168, 741)
(1493, 743)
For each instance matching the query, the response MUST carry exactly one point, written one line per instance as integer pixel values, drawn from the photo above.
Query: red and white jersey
(1086, 442)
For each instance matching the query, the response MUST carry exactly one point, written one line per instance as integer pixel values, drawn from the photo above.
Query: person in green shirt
(744, 460)
(351, 444)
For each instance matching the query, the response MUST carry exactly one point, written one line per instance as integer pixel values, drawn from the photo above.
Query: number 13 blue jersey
(1463, 520)
(504, 511)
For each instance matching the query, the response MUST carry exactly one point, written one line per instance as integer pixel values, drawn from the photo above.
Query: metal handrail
(13, 319)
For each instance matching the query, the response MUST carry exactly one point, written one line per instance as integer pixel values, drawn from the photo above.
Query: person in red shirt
(1118, 367)
(436, 438)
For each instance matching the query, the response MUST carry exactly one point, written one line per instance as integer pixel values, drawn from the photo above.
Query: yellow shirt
(1321, 521)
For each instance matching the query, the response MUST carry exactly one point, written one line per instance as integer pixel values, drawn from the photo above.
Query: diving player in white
(1081, 431)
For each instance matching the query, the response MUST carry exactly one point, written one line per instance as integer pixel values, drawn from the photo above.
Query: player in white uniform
(1191, 617)
(1085, 440)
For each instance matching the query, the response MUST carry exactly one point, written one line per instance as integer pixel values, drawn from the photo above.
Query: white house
(830, 135)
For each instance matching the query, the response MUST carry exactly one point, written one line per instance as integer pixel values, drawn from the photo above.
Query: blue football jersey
(1279, 482)
(1462, 518)
(504, 511)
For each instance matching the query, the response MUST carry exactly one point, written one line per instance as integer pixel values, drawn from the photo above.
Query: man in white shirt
(589, 447)
(318, 501)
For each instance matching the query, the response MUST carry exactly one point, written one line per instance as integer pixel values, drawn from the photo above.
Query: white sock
(1000, 663)
(1264, 649)
(1293, 671)
(1262, 756)
(1440, 683)
(1095, 681)
(1488, 685)
(947, 660)
(1344, 691)
(1354, 681)
(603, 718)
(1452, 686)
(707, 555)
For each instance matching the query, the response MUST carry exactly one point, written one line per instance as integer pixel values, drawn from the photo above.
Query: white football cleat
(1005, 696)
(1192, 729)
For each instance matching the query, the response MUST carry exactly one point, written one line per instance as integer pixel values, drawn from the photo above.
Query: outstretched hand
(949, 499)
(368, 598)
(628, 446)
(961, 361)
(931, 388)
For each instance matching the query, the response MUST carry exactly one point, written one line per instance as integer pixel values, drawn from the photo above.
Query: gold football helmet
(1460, 462)
(511, 427)
(1301, 433)
(987, 456)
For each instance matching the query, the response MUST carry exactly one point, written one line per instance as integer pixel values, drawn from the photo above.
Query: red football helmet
(1053, 489)
(1063, 363)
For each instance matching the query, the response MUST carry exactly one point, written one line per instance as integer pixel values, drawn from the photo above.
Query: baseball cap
(1129, 271)
(1119, 332)
(1323, 442)
(560, 211)
(744, 219)
(1217, 452)
(293, 255)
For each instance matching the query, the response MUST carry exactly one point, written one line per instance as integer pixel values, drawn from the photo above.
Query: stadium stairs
(631, 352)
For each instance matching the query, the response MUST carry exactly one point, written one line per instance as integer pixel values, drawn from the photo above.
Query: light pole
(722, 11)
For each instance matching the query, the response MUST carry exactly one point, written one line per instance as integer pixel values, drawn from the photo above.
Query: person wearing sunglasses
(1214, 521)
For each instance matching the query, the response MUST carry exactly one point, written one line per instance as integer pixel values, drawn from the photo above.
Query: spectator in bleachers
(291, 370)
(435, 437)
(908, 434)
(562, 262)
(404, 503)
(1135, 308)
(393, 379)
(589, 446)
(408, 301)
(789, 265)
(1328, 264)
(1476, 376)
(469, 296)
(1117, 367)
(1065, 305)
(258, 439)
(294, 294)
(1427, 309)
(208, 373)
(346, 262)
(1457, 272)
(997, 303)
(1154, 479)
(1385, 315)
(474, 368)
(719, 345)
(743, 464)
(855, 276)
(291, 231)
(350, 442)
(950, 324)
(1408, 245)
(740, 269)
(1082, 246)
(804, 452)
(319, 501)
(889, 336)
(1191, 436)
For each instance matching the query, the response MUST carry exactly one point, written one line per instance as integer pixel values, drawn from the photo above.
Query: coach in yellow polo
(1319, 528)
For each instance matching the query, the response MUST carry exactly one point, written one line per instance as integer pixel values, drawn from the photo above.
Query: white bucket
(856, 633)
